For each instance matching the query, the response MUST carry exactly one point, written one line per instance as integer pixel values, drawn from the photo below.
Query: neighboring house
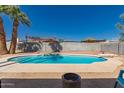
(38, 39)
(93, 41)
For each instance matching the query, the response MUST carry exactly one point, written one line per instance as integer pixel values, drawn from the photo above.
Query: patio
(56, 83)
(47, 75)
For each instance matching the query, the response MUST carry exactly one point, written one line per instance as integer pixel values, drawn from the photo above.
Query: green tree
(120, 26)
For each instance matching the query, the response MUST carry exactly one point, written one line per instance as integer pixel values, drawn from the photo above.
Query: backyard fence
(117, 48)
(112, 47)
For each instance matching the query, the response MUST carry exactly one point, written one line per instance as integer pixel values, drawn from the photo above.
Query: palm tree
(18, 17)
(3, 48)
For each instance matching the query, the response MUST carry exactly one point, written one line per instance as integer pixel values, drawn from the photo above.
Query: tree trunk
(12, 48)
(3, 48)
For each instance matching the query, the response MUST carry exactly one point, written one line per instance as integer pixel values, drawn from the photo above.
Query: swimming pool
(57, 59)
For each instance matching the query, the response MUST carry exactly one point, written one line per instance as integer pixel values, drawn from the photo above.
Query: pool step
(6, 63)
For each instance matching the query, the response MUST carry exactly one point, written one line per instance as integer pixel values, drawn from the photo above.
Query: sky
(68, 22)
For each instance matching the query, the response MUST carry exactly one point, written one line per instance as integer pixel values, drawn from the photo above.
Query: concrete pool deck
(108, 69)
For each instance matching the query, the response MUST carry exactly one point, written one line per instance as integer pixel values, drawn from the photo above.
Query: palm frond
(13, 12)
(122, 16)
(24, 19)
(120, 26)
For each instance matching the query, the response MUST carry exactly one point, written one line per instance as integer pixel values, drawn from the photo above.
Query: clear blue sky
(69, 22)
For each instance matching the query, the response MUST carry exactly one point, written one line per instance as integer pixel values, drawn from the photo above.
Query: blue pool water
(57, 59)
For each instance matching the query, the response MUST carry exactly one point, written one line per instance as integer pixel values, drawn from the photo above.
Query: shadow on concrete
(55, 83)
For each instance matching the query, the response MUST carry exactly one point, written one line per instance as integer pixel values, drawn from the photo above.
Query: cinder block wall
(117, 48)
(121, 51)
(110, 47)
(80, 46)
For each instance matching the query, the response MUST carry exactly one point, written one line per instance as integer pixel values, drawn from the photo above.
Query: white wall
(80, 46)
(108, 47)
